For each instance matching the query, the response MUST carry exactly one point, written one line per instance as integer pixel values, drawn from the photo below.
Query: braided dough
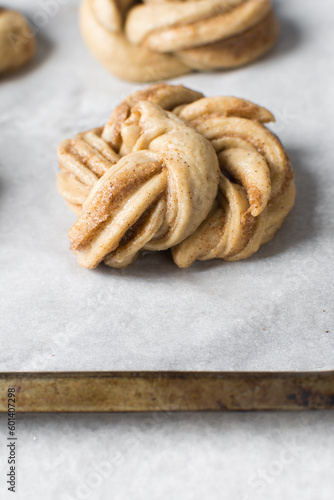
(17, 41)
(161, 39)
(256, 186)
(173, 169)
(158, 179)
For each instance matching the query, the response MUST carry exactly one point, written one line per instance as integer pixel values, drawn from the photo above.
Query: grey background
(58, 316)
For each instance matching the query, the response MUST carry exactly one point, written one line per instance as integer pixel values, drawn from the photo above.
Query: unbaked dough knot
(161, 39)
(173, 169)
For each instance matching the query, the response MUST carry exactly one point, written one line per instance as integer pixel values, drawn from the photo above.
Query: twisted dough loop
(17, 41)
(161, 39)
(86, 157)
(148, 179)
(256, 187)
(83, 160)
(157, 193)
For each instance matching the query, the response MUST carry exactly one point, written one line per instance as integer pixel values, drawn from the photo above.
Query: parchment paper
(270, 312)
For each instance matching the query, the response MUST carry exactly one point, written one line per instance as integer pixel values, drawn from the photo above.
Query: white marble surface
(270, 312)
(245, 456)
(163, 456)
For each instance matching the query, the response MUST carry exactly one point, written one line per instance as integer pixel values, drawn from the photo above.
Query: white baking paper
(273, 311)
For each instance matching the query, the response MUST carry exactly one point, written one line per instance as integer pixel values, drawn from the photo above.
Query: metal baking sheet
(272, 312)
(165, 391)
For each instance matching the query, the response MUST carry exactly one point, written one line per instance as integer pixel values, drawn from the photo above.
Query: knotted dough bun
(161, 39)
(148, 179)
(17, 41)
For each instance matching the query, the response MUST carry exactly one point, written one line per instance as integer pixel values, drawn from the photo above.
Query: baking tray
(167, 391)
(251, 335)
